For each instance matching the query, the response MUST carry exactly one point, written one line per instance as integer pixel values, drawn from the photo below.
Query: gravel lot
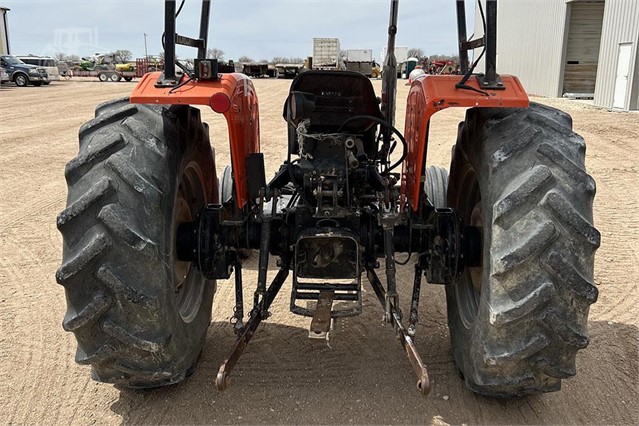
(364, 377)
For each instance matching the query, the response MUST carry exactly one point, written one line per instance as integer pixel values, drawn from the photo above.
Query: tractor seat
(330, 98)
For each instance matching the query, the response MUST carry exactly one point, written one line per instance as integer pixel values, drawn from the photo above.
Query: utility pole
(146, 53)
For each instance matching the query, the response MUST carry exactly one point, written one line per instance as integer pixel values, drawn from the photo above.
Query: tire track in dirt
(284, 378)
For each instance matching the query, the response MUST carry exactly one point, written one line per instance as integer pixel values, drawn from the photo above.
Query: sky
(257, 29)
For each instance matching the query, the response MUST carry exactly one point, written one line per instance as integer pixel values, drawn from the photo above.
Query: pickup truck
(23, 74)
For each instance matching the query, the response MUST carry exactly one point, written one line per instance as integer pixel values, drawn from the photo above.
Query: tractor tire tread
(90, 313)
(94, 154)
(106, 118)
(101, 189)
(113, 266)
(541, 246)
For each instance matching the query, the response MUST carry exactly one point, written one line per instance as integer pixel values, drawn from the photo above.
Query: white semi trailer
(401, 54)
(326, 54)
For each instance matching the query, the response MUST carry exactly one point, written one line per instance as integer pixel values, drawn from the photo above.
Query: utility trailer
(126, 72)
(360, 60)
(148, 227)
(106, 75)
(259, 70)
(289, 70)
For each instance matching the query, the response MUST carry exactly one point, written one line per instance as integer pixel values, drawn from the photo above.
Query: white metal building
(618, 72)
(4, 32)
(571, 46)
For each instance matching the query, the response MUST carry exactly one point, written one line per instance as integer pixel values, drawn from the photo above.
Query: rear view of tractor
(149, 227)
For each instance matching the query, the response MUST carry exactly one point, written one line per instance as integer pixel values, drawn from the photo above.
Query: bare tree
(446, 58)
(122, 55)
(416, 52)
(161, 56)
(215, 53)
(63, 57)
(287, 60)
(245, 59)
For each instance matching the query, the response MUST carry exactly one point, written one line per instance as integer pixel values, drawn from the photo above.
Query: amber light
(220, 103)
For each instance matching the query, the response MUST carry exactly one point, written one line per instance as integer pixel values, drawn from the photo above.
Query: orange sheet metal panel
(242, 115)
(433, 93)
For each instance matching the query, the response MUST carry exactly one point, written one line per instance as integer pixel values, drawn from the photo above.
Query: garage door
(582, 51)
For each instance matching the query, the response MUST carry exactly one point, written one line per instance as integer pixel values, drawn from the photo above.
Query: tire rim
(21, 80)
(469, 286)
(227, 185)
(188, 282)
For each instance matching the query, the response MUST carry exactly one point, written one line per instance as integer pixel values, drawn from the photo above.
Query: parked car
(4, 77)
(23, 74)
(45, 62)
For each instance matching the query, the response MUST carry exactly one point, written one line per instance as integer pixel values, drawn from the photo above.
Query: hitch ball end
(423, 385)
(222, 381)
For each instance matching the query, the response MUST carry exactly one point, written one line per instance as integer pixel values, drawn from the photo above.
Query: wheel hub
(476, 273)
(188, 282)
(469, 284)
(181, 268)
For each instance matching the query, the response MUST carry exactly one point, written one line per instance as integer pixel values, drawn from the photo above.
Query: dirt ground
(364, 376)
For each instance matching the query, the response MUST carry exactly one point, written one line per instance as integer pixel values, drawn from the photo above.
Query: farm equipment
(259, 70)
(289, 70)
(149, 228)
(442, 67)
(107, 71)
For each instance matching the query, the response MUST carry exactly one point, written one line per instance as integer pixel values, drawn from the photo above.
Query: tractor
(508, 230)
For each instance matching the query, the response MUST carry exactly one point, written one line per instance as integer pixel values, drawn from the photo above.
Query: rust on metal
(321, 322)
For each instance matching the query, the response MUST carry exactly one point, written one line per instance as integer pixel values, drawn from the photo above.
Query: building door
(623, 71)
(582, 47)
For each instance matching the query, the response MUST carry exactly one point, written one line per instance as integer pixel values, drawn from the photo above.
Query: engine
(334, 172)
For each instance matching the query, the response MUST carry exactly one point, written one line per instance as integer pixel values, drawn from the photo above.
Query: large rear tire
(139, 315)
(517, 320)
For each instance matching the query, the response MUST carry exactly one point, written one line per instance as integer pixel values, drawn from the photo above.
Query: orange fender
(232, 95)
(432, 93)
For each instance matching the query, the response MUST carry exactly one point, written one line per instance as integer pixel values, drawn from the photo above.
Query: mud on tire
(139, 316)
(518, 320)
